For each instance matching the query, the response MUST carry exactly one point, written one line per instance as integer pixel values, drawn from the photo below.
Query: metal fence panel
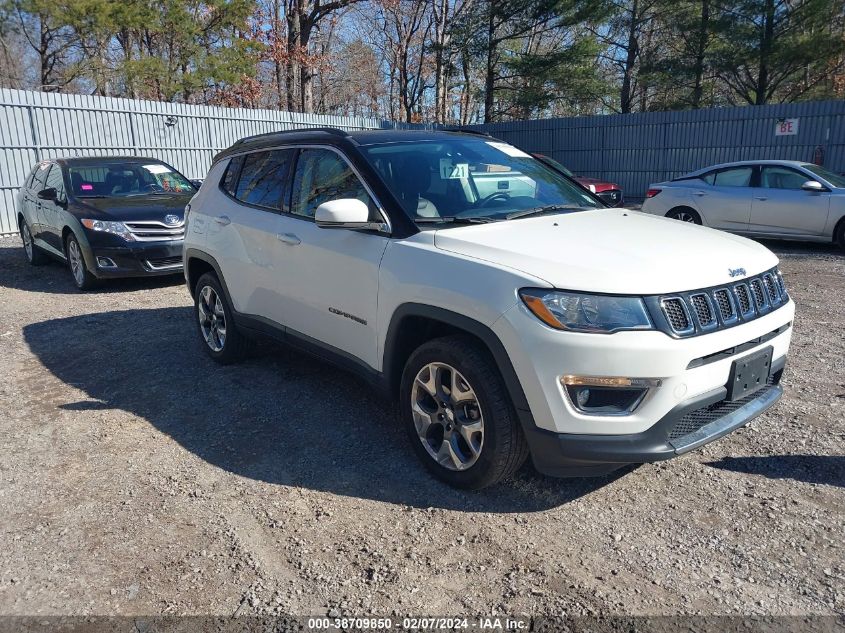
(635, 150)
(37, 125)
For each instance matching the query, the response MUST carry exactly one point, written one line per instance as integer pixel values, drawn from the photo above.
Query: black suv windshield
(470, 178)
(126, 178)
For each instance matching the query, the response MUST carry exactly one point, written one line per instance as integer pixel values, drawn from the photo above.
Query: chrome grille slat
(703, 310)
(155, 231)
(725, 303)
(771, 288)
(709, 309)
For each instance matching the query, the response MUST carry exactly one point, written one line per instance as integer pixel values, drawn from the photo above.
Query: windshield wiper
(92, 196)
(550, 208)
(452, 219)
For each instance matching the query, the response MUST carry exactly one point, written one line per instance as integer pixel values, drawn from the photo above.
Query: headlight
(587, 313)
(105, 226)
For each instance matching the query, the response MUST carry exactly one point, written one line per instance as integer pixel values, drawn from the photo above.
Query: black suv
(106, 216)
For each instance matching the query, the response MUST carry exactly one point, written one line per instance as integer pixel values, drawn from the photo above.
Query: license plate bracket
(749, 374)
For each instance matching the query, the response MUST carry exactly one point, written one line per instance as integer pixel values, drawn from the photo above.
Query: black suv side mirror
(49, 193)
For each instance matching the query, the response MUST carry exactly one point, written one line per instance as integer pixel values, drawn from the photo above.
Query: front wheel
(684, 214)
(457, 413)
(34, 255)
(221, 339)
(82, 277)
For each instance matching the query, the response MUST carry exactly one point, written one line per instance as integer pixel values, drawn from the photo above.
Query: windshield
(472, 179)
(834, 179)
(122, 179)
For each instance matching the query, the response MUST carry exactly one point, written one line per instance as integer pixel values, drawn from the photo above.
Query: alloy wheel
(26, 236)
(684, 216)
(212, 319)
(77, 265)
(447, 416)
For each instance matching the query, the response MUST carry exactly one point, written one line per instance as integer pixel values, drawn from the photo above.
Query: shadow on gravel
(54, 276)
(279, 417)
(814, 469)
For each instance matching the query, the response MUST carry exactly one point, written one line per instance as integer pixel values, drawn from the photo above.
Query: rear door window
(734, 177)
(263, 178)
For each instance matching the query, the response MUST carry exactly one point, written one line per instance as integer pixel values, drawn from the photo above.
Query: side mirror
(49, 193)
(345, 213)
(813, 185)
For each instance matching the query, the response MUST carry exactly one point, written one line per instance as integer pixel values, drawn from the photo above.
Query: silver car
(765, 198)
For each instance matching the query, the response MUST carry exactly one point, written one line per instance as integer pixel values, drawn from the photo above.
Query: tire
(211, 307)
(685, 214)
(82, 277)
(34, 255)
(485, 441)
(839, 234)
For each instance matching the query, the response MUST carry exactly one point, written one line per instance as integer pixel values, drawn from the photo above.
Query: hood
(614, 251)
(148, 207)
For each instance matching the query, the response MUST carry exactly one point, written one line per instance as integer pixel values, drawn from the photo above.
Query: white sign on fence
(786, 127)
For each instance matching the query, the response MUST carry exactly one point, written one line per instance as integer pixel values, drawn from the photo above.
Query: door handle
(760, 198)
(699, 193)
(289, 238)
(223, 220)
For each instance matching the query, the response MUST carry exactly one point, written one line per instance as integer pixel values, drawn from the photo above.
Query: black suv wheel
(34, 255)
(216, 326)
(82, 277)
(458, 416)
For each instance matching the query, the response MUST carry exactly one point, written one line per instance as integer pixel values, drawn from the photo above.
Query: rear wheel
(221, 338)
(34, 255)
(457, 413)
(839, 234)
(684, 214)
(82, 277)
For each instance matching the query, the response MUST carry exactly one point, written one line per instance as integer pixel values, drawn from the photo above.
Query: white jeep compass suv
(506, 308)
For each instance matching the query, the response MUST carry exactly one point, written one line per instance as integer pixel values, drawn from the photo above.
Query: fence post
(33, 130)
(132, 132)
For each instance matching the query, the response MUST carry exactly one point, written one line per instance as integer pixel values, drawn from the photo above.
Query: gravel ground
(140, 478)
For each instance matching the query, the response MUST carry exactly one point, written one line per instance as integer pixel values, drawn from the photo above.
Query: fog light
(605, 395)
(105, 262)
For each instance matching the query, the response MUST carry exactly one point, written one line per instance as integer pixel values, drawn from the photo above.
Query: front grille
(155, 231)
(694, 420)
(699, 311)
(703, 310)
(677, 314)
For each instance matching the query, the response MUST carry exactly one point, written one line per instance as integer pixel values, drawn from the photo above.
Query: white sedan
(765, 198)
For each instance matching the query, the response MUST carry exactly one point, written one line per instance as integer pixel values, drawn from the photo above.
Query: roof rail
(328, 130)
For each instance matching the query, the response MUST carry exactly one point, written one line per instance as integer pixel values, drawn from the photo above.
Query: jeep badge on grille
(737, 272)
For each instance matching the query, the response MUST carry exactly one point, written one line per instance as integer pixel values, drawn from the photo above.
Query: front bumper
(693, 373)
(142, 259)
(693, 423)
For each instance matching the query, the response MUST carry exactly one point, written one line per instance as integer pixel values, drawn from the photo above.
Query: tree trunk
(626, 96)
(766, 37)
(490, 69)
(700, 52)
